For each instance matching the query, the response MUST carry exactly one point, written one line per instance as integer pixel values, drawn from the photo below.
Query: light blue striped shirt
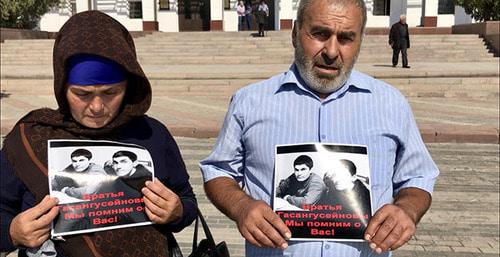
(281, 110)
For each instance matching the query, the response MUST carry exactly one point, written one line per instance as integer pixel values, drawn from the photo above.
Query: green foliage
(481, 10)
(24, 13)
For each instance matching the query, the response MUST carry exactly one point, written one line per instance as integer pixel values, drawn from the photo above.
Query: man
(320, 99)
(346, 190)
(126, 167)
(303, 186)
(75, 180)
(399, 39)
(261, 16)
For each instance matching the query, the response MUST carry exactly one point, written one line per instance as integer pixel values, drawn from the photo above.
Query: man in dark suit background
(399, 39)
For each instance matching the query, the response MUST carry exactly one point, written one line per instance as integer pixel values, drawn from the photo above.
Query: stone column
(216, 16)
(413, 12)
(285, 14)
(149, 21)
(429, 19)
(82, 5)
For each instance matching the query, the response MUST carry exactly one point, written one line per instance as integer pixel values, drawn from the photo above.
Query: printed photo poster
(322, 191)
(98, 184)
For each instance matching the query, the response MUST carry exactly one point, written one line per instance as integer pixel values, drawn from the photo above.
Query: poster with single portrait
(98, 184)
(322, 191)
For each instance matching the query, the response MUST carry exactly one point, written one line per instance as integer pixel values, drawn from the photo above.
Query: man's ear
(294, 33)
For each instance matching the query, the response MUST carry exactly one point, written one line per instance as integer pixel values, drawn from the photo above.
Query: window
(135, 10)
(164, 5)
(446, 7)
(227, 4)
(382, 7)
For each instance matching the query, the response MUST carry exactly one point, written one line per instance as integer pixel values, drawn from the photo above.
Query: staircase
(239, 48)
(213, 56)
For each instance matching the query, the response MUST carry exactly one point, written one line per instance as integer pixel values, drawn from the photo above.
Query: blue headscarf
(86, 69)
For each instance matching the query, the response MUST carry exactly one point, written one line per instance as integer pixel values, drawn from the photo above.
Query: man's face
(340, 178)
(302, 172)
(80, 163)
(327, 44)
(123, 165)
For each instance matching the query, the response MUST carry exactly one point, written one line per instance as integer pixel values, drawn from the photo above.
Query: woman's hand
(162, 205)
(32, 227)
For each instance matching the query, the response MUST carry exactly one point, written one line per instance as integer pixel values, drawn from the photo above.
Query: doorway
(194, 15)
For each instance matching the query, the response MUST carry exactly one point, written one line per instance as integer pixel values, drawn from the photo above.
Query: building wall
(286, 11)
(53, 20)
(168, 20)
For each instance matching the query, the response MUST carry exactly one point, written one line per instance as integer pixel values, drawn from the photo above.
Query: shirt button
(327, 247)
(323, 136)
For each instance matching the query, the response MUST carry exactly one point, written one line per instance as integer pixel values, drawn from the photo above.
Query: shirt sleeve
(414, 166)
(226, 159)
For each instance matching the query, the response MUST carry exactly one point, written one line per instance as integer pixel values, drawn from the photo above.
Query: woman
(240, 9)
(102, 94)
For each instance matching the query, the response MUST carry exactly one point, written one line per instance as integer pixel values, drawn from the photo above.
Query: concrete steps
(239, 48)
(194, 75)
(485, 87)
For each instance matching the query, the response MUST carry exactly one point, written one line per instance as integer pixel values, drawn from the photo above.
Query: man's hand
(394, 224)
(162, 204)
(32, 227)
(390, 228)
(255, 219)
(259, 225)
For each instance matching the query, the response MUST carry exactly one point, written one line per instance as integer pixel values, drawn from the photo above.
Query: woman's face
(97, 105)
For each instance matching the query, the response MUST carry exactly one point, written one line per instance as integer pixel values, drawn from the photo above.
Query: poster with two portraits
(322, 191)
(98, 184)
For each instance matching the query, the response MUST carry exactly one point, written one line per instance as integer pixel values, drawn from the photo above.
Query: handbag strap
(208, 234)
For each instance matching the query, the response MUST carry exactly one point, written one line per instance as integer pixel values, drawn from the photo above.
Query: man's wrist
(240, 206)
(409, 211)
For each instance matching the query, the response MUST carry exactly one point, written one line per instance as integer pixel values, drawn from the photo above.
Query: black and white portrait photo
(81, 177)
(98, 184)
(302, 186)
(322, 191)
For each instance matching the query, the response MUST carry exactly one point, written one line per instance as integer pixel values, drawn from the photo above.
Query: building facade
(220, 15)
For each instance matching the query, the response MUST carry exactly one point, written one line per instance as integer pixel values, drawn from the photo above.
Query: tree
(24, 13)
(481, 10)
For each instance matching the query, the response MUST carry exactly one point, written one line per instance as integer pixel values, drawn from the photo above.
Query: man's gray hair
(304, 4)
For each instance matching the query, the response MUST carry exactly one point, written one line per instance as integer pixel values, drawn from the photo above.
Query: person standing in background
(262, 15)
(399, 39)
(248, 16)
(240, 9)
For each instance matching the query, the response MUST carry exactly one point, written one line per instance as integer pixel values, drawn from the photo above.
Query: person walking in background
(248, 15)
(240, 9)
(261, 16)
(399, 39)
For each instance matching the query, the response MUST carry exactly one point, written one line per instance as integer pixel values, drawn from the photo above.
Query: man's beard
(319, 82)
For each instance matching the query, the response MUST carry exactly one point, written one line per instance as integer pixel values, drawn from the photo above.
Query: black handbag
(206, 247)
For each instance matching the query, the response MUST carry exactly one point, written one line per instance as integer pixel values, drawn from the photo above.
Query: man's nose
(331, 50)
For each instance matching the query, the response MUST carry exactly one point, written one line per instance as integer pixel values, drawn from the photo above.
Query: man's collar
(292, 77)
